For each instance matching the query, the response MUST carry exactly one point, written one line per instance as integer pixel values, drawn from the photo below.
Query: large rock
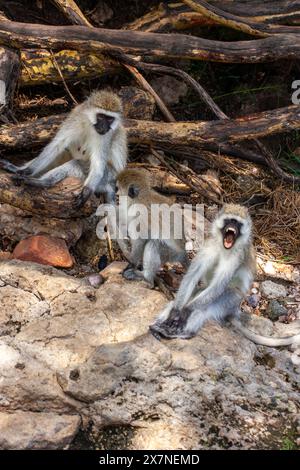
(84, 353)
(273, 290)
(27, 430)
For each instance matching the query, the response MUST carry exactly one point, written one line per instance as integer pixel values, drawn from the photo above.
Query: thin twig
(146, 85)
(62, 78)
(188, 181)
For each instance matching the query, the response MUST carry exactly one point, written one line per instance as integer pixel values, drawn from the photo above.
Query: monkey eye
(133, 191)
(109, 119)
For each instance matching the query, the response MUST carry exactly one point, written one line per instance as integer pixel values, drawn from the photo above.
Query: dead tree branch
(95, 40)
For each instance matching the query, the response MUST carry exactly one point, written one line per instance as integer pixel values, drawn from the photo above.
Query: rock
(138, 104)
(4, 255)
(114, 268)
(169, 89)
(272, 290)
(275, 310)
(287, 272)
(17, 224)
(90, 357)
(44, 250)
(17, 308)
(253, 300)
(27, 430)
(95, 280)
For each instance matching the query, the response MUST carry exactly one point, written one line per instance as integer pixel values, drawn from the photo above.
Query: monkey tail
(265, 340)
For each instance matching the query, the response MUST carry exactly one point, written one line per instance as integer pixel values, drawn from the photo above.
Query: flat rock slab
(27, 430)
(71, 354)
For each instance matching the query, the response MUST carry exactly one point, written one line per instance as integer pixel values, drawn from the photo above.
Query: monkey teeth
(229, 237)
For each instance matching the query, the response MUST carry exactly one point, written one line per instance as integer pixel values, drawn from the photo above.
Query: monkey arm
(49, 154)
(220, 281)
(196, 271)
(118, 154)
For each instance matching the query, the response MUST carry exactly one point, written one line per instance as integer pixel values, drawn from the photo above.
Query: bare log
(201, 134)
(230, 20)
(95, 40)
(9, 74)
(167, 17)
(58, 202)
(38, 67)
(72, 12)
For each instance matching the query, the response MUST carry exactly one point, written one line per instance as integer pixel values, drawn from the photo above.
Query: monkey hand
(6, 165)
(174, 326)
(82, 197)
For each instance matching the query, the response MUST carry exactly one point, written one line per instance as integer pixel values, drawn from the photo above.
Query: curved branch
(239, 23)
(22, 35)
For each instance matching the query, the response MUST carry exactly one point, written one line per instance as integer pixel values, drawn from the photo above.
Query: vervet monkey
(148, 253)
(92, 144)
(225, 266)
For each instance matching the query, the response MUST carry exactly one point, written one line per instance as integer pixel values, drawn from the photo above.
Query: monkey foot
(82, 197)
(131, 274)
(162, 330)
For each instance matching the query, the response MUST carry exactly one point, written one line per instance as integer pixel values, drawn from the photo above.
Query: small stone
(95, 280)
(253, 300)
(275, 310)
(272, 290)
(44, 250)
(116, 267)
(254, 290)
(4, 255)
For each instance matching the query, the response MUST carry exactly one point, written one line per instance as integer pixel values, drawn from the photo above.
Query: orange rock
(44, 249)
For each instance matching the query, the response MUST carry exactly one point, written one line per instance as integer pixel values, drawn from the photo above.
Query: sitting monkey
(150, 250)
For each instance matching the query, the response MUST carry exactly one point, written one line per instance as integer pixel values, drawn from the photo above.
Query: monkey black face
(231, 232)
(133, 191)
(104, 123)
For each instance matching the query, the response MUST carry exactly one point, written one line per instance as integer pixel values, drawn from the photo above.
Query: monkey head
(232, 225)
(104, 110)
(133, 183)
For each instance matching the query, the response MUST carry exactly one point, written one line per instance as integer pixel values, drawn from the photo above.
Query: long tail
(265, 340)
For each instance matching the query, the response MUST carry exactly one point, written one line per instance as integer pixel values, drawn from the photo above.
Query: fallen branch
(196, 182)
(72, 12)
(23, 35)
(9, 74)
(230, 20)
(37, 66)
(58, 202)
(167, 17)
(199, 135)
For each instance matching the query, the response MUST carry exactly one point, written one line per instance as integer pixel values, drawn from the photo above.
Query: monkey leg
(49, 179)
(132, 272)
(185, 323)
(82, 197)
(151, 261)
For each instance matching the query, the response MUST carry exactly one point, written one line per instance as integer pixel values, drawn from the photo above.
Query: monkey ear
(133, 191)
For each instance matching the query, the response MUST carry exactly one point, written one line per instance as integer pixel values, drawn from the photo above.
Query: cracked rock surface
(77, 361)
